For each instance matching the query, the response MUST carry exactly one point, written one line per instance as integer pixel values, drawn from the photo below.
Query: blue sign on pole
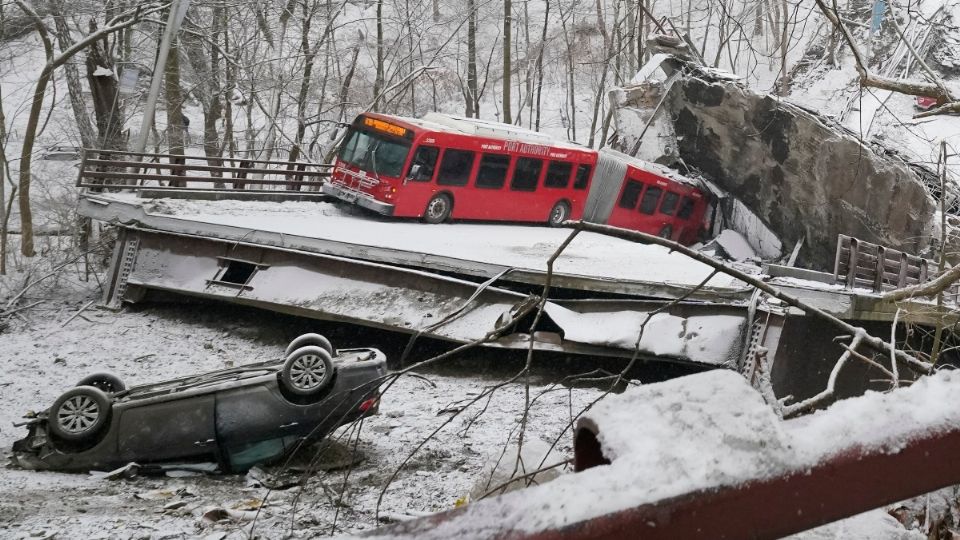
(879, 8)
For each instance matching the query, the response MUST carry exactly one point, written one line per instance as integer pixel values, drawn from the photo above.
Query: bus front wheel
(558, 214)
(438, 209)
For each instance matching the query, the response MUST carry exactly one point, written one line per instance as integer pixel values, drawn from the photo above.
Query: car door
(173, 430)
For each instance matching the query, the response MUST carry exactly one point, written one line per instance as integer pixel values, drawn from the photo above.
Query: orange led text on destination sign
(387, 127)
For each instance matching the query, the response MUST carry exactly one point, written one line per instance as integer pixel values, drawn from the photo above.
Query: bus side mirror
(414, 172)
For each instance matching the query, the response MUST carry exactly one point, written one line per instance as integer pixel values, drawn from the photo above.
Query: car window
(686, 208)
(631, 194)
(455, 168)
(558, 174)
(669, 204)
(526, 174)
(493, 171)
(583, 177)
(426, 158)
(650, 199)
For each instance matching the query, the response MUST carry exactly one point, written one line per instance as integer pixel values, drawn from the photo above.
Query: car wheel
(307, 371)
(79, 414)
(558, 214)
(108, 382)
(438, 209)
(310, 339)
(666, 232)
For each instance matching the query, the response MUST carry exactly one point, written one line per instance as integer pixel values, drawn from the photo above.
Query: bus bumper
(358, 198)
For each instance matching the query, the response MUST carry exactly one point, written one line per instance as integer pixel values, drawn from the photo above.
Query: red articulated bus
(444, 167)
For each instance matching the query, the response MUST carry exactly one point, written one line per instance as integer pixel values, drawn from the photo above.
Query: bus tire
(438, 209)
(558, 214)
(666, 232)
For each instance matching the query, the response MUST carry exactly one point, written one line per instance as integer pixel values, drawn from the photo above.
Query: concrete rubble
(802, 176)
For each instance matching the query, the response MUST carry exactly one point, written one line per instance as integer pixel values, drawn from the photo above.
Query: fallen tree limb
(929, 288)
(935, 89)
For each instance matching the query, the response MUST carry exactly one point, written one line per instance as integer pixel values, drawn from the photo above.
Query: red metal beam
(842, 485)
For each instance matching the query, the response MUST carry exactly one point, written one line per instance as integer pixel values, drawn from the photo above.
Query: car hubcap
(437, 208)
(308, 371)
(78, 414)
(559, 213)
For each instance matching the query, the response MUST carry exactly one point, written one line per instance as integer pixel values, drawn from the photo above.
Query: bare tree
(77, 103)
(124, 20)
(936, 89)
(507, 18)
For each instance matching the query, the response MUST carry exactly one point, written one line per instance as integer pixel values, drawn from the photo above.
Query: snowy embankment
(50, 350)
(705, 432)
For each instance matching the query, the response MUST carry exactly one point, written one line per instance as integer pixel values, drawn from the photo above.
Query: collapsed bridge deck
(313, 259)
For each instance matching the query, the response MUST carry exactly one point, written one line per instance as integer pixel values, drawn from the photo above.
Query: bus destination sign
(385, 127)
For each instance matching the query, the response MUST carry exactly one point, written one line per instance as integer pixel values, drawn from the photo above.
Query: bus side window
(426, 158)
(558, 174)
(583, 177)
(686, 208)
(493, 171)
(526, 174)
(455, 168)
(650, 199)
(631, 194)
(669, 204)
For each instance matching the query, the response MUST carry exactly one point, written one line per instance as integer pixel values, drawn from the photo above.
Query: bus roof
(653, 168)
(448, 123)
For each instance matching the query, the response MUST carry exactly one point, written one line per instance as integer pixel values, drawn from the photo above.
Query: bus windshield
(374, 153)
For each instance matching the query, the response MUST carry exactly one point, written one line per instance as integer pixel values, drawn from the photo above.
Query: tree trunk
(473, 101)
(208, 88)
(507, 13)
(77, 104)
(26, 159)
(3, 186)
(543, 47)
(310, 56)
(106, 95)
(378, 82)
(174, 97)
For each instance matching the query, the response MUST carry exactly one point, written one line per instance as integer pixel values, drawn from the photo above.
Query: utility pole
(178, 10)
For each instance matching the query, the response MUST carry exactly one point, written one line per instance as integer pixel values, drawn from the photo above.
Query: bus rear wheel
(438, 209)
(558, 214)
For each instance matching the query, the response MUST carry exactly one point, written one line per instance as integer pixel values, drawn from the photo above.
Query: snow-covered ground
(42, 356)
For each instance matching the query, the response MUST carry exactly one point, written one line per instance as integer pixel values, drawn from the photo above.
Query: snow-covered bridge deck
(593, 263)
(312, 259)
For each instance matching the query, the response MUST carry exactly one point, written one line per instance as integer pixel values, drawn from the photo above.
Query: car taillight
(369, 404)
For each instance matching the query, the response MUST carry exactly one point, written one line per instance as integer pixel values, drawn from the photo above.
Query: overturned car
(232, 418)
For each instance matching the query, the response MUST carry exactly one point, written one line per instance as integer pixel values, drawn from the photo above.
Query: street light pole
(178, 10)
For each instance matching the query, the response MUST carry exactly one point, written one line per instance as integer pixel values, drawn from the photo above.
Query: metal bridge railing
(120, 170)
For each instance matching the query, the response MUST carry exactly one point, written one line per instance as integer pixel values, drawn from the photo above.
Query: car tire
(79, 414)
(438, 209)
(307, 371)
(310, 339)
(558, 214)
(108, 382)
(666, 232)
